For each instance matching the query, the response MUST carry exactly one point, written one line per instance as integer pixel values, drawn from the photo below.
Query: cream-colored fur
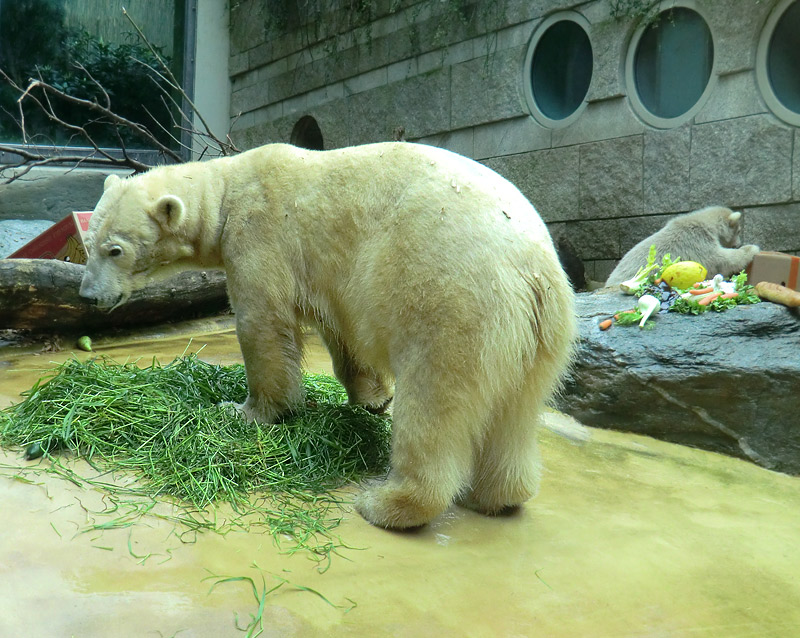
(419, 267)
(709, 236)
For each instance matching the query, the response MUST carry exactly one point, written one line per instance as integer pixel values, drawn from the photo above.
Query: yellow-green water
(629, 537)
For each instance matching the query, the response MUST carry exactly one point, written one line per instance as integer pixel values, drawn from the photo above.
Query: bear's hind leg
(432, 453)
(507, 467)
(364, 386)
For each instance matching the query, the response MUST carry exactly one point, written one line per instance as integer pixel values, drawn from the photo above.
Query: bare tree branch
(99, 111)
(226, 148)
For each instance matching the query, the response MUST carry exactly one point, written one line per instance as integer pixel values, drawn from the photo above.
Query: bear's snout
(95, 295)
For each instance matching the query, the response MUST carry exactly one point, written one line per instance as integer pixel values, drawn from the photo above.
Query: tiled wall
(426, 72)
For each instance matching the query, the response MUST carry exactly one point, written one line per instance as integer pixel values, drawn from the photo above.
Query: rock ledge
(727, 382)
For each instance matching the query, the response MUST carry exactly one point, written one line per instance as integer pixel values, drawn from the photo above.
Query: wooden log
(41, 296)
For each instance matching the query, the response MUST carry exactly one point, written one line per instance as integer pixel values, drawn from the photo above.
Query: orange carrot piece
(658, 281)
(605, 325)
(730, 295)
(623, 312)
(702, 291)
(707, 300)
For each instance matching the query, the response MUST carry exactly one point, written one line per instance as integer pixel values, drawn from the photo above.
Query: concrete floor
(629, 537)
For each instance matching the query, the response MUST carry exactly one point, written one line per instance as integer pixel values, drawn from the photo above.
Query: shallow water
(629, 537)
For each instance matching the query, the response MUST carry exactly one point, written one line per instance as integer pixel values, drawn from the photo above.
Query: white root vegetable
(647, 305)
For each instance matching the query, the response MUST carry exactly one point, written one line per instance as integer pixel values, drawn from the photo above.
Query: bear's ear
(110, 181)
(169, 212)
(733, 218)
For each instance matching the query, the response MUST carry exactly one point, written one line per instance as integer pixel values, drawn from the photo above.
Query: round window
(669, 67)
(558, 69)
(778, 66)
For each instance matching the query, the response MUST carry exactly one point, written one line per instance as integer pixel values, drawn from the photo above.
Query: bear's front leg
(737, 259)
(272, 352)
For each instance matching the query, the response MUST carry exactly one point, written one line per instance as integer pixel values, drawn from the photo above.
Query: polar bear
(424, 272)
(709, 236)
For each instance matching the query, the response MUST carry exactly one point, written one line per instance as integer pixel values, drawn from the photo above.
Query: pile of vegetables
(679, 286)
(164, 426)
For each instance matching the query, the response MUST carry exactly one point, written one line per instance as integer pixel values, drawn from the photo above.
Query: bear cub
(709, 236)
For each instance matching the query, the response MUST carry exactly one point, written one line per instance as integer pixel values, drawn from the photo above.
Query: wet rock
(727, 382)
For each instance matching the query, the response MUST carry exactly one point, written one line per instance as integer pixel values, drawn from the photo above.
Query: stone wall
(451, 74)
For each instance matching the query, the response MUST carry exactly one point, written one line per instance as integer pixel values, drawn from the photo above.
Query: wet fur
(430, 278)
(710, 236)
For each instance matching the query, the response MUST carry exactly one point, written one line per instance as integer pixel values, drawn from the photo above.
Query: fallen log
(41, 296)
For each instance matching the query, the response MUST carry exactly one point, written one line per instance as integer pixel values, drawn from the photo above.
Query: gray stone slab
(15, 233)
(741, 162)
(461, 142)
(611, 178)
(510, 137)
(666, 170)
(327, 93)
(736, 27)
(403, 70)
(600, 121)
(366, 81)
(632, 230)
(419, 105)
(595, 239)
(598, 270)
(796, 166)
(247, 25)
(248, 137)
(250, 98)
(260, 56)
(243, 80)
(518, 10)
(773, 227)
(735, 95)
(487, 89)
(333, 118)
(548, 178)
(238, 64)
(259, 116)
(607, 39)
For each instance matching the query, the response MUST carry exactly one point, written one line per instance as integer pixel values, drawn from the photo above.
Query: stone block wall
(450, 73)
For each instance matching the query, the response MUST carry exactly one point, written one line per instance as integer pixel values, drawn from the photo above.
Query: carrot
(623, 312)
(730, 295)
(707, 300)
(605, 325)
(702, 291)
(658, 281)
(696, 285)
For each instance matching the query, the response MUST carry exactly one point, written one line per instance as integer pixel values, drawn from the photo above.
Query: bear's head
(730, 227)
(138, 230)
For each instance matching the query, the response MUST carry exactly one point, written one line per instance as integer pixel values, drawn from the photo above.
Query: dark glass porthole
(672, 63)
(783, 58)
(560, 69)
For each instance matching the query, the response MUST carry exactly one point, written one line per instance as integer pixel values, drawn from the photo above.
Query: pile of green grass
(164, 425)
